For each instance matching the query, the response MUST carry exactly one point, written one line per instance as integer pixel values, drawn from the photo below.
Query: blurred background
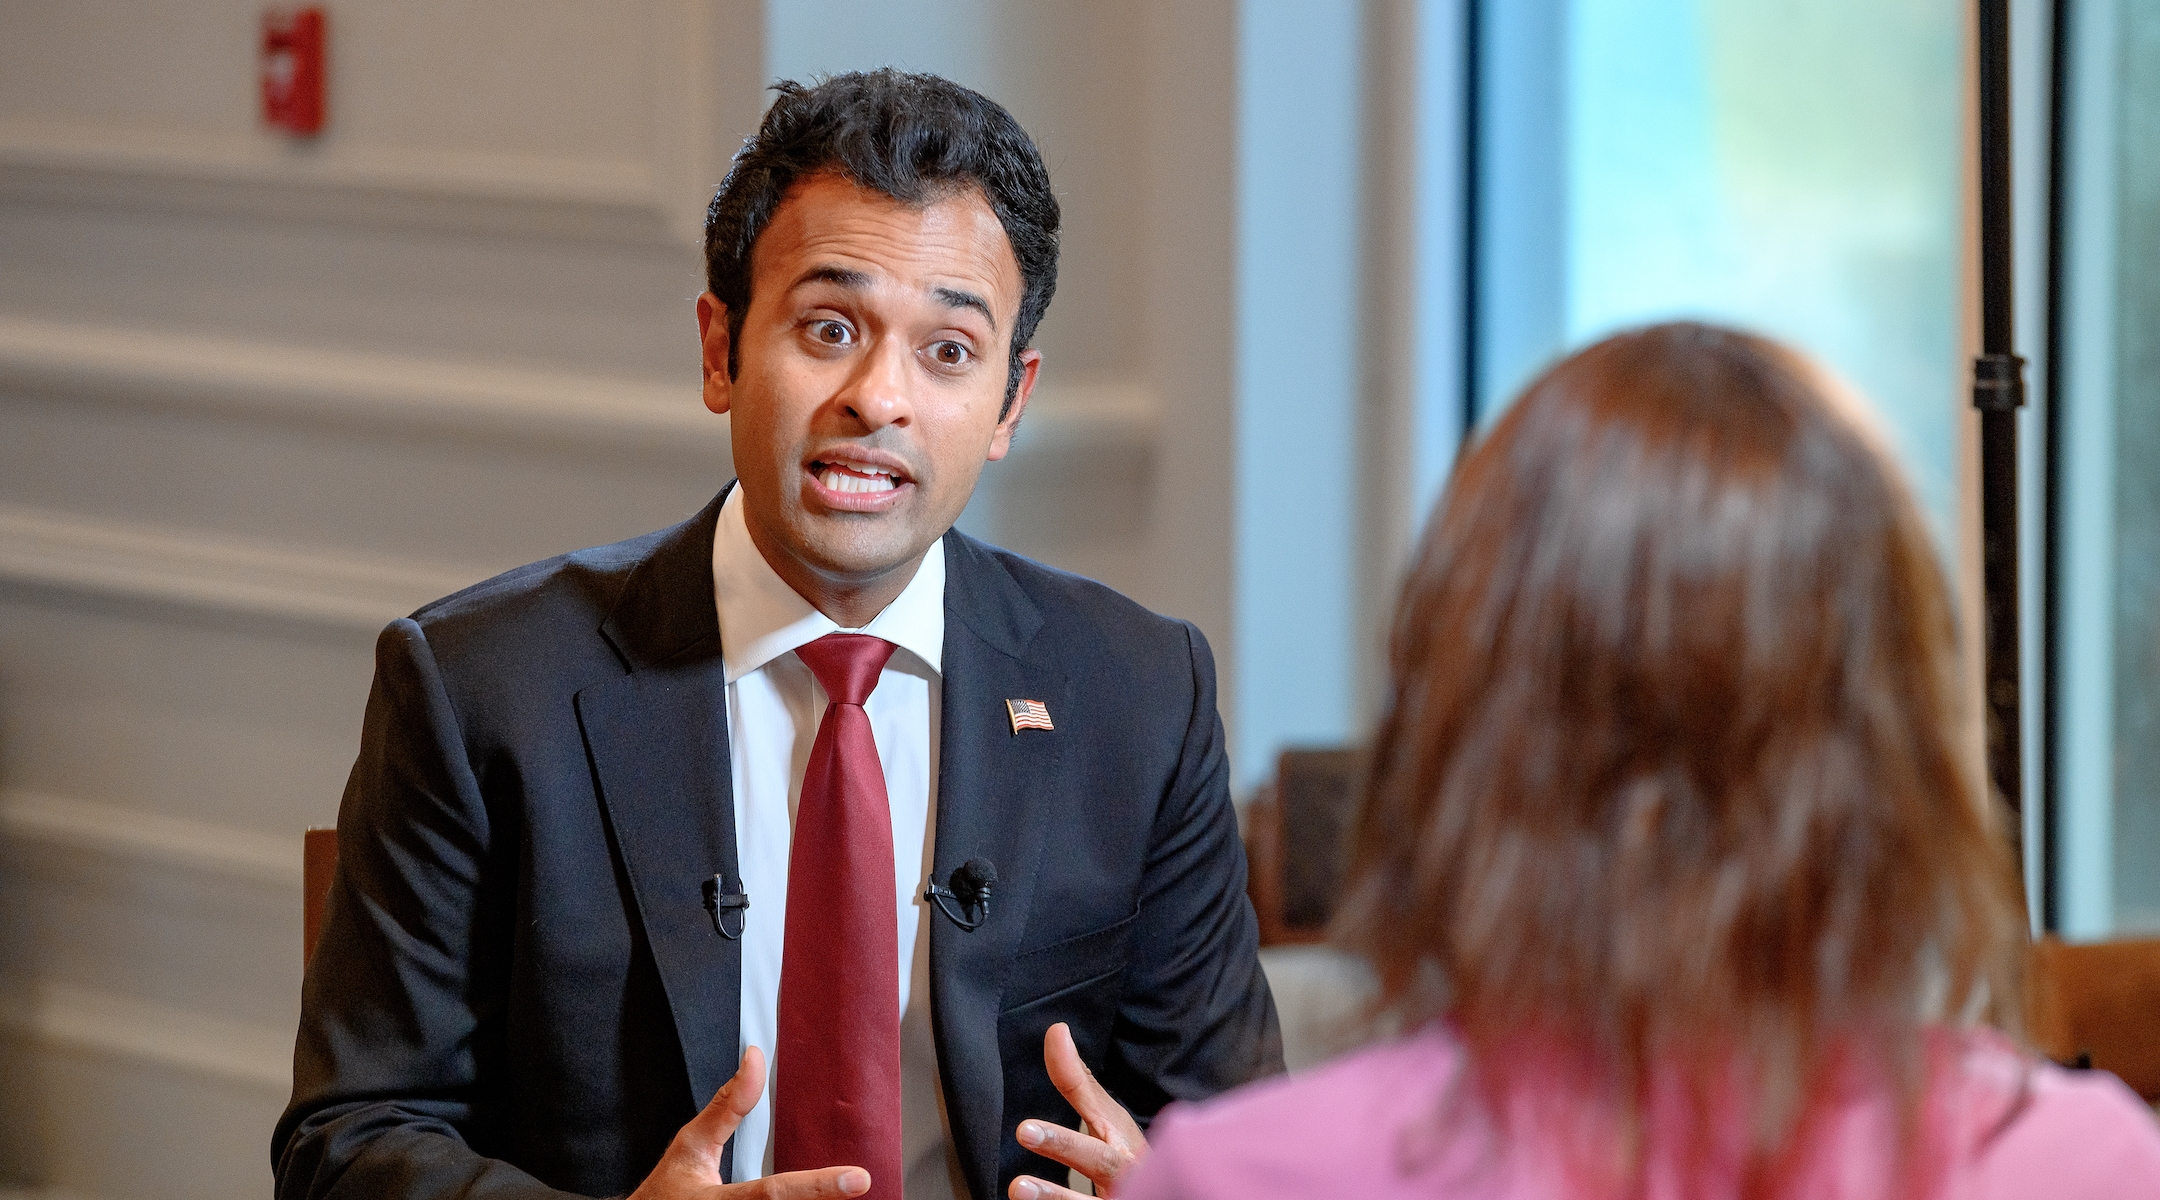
(261, 392)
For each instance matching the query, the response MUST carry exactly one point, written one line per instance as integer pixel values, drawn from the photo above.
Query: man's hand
(691, 1166)
(1110, 1143)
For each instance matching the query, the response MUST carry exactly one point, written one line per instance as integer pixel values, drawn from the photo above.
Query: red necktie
(836, 1068)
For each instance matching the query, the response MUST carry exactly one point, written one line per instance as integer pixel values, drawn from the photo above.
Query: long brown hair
(1672, 770)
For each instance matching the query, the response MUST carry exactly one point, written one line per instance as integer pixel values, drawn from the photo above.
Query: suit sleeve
(1196, 1017)
(404, 994)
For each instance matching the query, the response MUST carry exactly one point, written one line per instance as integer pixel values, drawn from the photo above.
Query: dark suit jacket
(519, 988)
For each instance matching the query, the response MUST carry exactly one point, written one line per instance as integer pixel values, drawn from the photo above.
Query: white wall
(1301, 335)
(256, 398)
(1350, 370)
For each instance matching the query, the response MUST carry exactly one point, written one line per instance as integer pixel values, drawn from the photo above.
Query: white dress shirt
(774, 705)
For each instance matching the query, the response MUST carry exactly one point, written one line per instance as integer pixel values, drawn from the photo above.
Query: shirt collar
(762, 618)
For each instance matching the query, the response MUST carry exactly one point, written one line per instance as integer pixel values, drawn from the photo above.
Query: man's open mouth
(855, 477)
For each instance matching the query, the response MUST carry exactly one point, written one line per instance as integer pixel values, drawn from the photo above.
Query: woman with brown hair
(1674, 861)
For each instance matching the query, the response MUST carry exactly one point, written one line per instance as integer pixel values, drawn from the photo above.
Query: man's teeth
(847, 481)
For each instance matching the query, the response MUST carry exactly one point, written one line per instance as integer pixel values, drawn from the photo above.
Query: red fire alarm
(292, 70)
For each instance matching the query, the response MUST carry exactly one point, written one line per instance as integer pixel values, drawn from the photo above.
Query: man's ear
(1001, 437)
(713, 333)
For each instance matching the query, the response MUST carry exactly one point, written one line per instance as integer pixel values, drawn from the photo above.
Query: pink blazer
(1364, 1126)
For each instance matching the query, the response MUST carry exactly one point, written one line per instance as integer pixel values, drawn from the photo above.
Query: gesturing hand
(691, 1166)
(1110, 1143)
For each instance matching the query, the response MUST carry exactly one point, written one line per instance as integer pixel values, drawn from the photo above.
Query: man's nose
(878, 392)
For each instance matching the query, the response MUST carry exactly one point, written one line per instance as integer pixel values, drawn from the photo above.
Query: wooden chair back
(1297, 831)
(2100, 1001)
(318, 858)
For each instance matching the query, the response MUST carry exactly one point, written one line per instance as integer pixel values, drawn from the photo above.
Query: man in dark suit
(809, 774)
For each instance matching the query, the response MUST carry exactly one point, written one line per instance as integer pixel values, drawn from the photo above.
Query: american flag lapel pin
(1028, 714)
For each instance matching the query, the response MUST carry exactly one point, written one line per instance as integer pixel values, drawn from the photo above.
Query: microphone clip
(726, 908)
(969, 888)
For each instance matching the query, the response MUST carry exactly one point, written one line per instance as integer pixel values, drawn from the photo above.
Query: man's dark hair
(915, 138)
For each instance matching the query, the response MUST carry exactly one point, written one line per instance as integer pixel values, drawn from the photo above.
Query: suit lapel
(992, 803)
(657, 739)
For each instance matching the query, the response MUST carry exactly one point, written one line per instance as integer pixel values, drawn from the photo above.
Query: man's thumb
(716, 1123)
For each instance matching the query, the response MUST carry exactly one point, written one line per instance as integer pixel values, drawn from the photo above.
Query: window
(2106, 545)
(1789, 166)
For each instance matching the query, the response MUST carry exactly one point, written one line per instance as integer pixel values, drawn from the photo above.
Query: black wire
(1997, 392)
(2049, 849)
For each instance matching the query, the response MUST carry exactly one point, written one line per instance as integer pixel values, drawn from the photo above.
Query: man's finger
(1091, 1156)
(1104, 1115)
(716, 1122)
(691, 1166)
(1028, 1187)
(822, 1184)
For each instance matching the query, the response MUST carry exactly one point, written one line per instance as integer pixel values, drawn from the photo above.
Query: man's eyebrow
(955, 298)
(853, 281)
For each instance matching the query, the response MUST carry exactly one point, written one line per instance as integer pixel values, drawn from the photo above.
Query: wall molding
(431, 398)
(1083, 417)
(85, 165)
(158, 839)
(67, 1016)
(166, 567)
(204, 373)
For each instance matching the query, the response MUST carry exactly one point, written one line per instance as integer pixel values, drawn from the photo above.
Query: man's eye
(831, 333)
(950, 354)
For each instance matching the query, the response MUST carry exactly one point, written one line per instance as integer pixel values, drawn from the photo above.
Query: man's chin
(851, 549)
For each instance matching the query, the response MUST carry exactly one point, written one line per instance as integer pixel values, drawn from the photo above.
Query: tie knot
(846, 664)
